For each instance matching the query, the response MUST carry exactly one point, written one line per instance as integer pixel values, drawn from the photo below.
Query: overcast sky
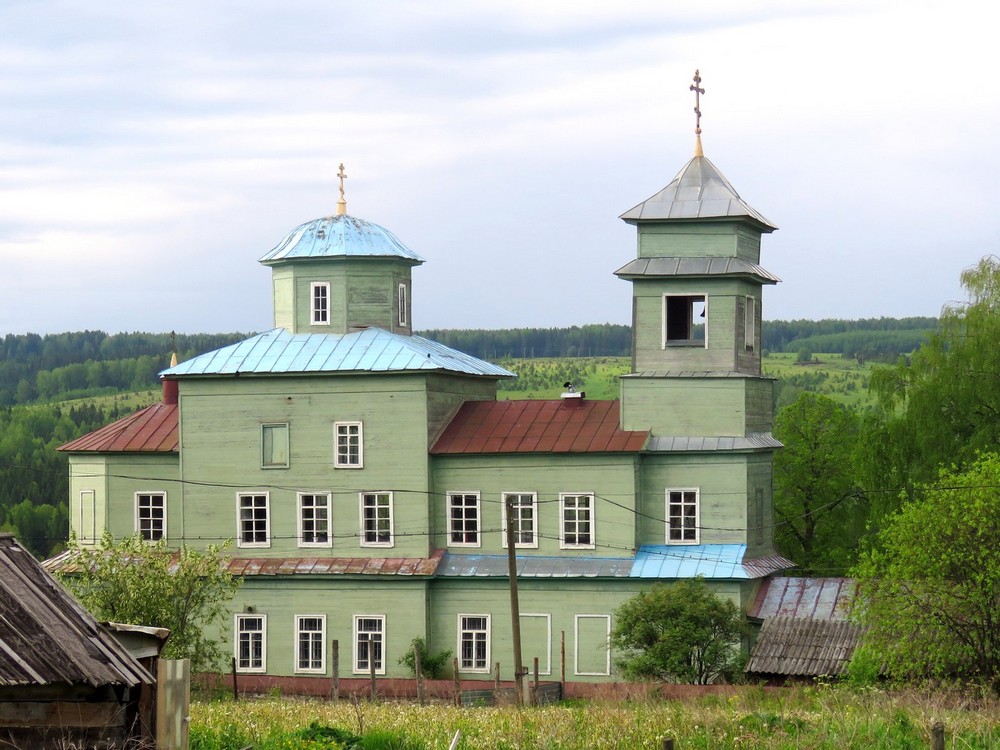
(150, 153)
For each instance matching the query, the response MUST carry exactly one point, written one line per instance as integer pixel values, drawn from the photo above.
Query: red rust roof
(562, 426)
(150, 430)
(810, 598)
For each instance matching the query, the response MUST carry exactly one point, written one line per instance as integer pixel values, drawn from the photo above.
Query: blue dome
(339, 236)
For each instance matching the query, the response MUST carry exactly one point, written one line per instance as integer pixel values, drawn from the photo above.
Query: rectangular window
(524, 511)
(151, 515)
(592, 655)
(250, 645)
(310, 637)
(348, 445)
(369, 632)
(682, 516)
(463, 519)
(685, 320)
(536, 637)
(254, 527)
(474, 643)
(750, 322)
(376, 519)
(87, 522)
(577, 513)
(402, 304)
(314, 520)
(274, 446)
(320, 293)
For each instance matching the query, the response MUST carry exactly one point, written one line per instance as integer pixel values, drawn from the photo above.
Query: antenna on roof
(698, 91)
(342, 203)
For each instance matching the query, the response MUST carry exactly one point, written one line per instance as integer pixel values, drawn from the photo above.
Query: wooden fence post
(562, 654)
(937, 736)
(496, 678)
(236, 692)
(534, 695)
(668, 743)
(335, 662)
(458, 682)
(418, 668)
(371, 669)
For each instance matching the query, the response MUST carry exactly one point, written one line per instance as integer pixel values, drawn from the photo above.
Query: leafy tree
(820, 514)
(942, 405)
(931, 584)
(434, 666)
(141, 583)
(678, 632)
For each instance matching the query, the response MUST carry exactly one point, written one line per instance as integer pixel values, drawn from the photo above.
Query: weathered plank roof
(801, 647)
(278, 352)
(339, 236)
(813, 598)
(699, 191)
(667, 561)
(535, 426)
(149, 430)
(46, 638)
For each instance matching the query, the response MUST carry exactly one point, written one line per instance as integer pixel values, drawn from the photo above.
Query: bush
(434, 666)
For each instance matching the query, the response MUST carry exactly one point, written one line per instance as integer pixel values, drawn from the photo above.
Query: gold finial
(698, 91)
(342, 203)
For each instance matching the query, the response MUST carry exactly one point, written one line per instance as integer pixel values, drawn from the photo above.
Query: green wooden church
(365, 474)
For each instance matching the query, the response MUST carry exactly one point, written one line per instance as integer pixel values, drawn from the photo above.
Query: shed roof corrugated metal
(668, 561)
(551, 426)
(699, 191)
(339, 236)
(813, 598)
(644, 267)
(799, 647)
(535, 566)
(149, 430)
(686, 443)
(371, 350)
(46, 638)
(363, 566)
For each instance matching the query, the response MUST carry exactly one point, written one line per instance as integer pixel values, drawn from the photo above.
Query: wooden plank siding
(715, 239)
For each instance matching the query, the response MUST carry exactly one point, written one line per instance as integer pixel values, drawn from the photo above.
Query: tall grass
(812, 717)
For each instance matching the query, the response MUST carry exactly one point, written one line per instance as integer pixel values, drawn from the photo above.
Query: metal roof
(372, 350)
(684, 444)
(657, 267)
(673, 374)
(706, 560)
(538, 426)
(813, 598)
(699, 191)
(46, 638)
(339, 236)
(798, 647)
(365, 566)
(149, 430)
(535, 566)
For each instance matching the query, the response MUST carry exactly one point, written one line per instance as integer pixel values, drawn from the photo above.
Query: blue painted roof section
(339, 237)
(689, 561)
(371, 350)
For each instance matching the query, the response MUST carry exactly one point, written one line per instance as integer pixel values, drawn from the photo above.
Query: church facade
(367, 475)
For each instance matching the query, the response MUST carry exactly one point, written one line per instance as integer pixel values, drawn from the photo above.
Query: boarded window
(593, 653)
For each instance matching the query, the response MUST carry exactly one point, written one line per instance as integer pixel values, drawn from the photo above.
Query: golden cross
(342, 203)
(698, 91)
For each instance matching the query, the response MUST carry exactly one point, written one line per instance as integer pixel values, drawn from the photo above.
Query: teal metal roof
(705, 560)
(371, 350)
(534, 566)
(699, 191)
(339, 237)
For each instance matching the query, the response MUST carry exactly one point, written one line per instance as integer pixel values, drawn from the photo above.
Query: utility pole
(515, 609)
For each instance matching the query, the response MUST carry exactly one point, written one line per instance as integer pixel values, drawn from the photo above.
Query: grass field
(837, 718)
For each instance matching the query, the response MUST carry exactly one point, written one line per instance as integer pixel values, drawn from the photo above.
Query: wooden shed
(65, 681)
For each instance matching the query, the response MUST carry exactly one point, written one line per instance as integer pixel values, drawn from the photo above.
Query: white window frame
(682, 491)
(319, 315)
(548, 641)
(463, 629)
(476, 509)
(693, 299)
(576, 645)
(401, 296)
(261, 636)
(314, 638)
(162, 495)
(240, 542)
(303, 508)
(563, 521)
(264, 428)
(355, 661)
(749, 323)
(363, 498)
(519, 529)
(345, 438)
